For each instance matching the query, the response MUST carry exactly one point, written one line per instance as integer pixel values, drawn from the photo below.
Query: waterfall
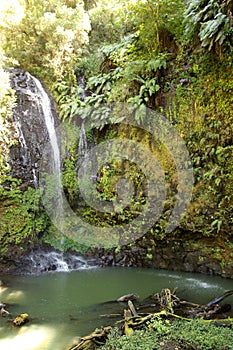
(49, 121)
(35, 180)
(45, 104)
(41, 260)
(82, 146)
(82, 142)
(38, 152)
(82, 85)
(23, 144)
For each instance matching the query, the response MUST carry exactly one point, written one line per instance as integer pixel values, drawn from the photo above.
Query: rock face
(183, 251)
(30, 126)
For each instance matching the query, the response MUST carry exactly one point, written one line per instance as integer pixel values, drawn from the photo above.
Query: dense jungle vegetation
(171, 56)
(174, 57)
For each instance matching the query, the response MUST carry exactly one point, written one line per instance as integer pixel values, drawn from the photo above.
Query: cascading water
(82, 142)
(35, 159)
(23, 144)
(35, 180)
(44, 101)
(82, 85)
(42, 261)
(34, 120)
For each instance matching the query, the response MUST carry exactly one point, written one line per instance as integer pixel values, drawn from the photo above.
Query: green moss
(21, 216)
(7, 103)
(177, 334)
(63, 243)
(144, 64)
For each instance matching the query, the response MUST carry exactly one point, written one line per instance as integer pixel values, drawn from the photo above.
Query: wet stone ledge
(181, 252)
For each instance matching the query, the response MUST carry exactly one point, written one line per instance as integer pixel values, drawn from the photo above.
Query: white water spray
(22, 142)
(82, 142)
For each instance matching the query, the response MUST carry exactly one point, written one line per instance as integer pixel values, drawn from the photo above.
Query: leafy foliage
(211, 21)
(48, 39)
(157, 23)
(209, 117)
(139, 54)
(131, 68)
(22, 219)
(7, 103)
(109, 21)
(177, 334)
(67, 97)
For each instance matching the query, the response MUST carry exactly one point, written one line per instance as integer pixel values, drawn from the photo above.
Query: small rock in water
(20, 320)
(2, 305)
(3, 312)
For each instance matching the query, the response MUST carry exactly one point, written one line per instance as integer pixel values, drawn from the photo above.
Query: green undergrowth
(22, 217)
(139, 53)
(205, 122)
(161, 335)
(63, 243)
(25, 223)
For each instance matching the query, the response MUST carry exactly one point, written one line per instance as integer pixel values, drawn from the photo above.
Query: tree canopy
(48, 37)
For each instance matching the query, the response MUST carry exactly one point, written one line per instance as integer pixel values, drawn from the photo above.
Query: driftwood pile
(165, 304)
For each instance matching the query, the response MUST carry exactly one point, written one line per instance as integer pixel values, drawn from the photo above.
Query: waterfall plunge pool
(64, 305)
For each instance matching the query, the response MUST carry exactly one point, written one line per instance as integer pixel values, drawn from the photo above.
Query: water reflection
(28, 338)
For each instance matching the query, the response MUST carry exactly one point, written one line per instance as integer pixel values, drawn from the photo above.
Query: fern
(157, 63)
(210, 20)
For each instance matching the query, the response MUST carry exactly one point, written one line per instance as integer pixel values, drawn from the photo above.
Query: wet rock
(3, 311)
(30, 129)
(185, 251)
(46, 259)
(20, 320)
(2, 305)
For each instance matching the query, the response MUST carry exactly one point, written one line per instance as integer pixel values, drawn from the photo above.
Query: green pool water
(64, 305)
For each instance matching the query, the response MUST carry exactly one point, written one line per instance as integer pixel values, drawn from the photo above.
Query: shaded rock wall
(31, 131)
(180, 252)
(22, 217)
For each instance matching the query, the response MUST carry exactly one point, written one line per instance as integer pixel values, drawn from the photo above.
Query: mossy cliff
(23, 219)
(199, 106)
(139, 54)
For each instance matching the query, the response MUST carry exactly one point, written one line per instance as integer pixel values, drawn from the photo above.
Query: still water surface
(65, 305)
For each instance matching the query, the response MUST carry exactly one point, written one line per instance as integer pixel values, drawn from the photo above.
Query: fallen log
(127, 297)
(167, 299)
(94, 340)
(132, 308)
(169, 307)
(219, 299)
(211, 309)
(110, 315)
